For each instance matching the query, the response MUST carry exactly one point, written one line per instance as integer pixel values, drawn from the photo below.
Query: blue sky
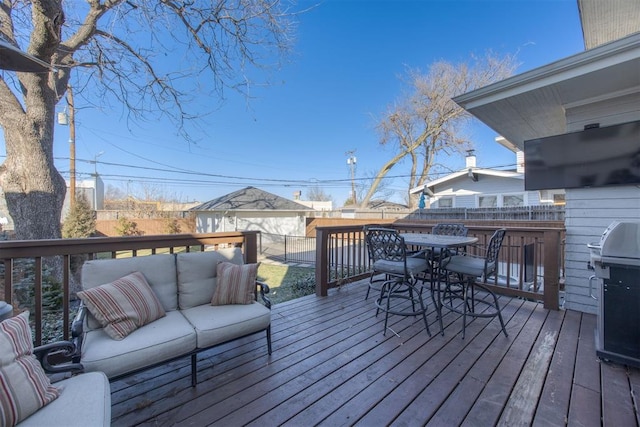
(325, 101)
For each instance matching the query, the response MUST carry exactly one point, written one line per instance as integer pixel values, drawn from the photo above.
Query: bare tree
(114, 193)
(120, 48)
(318, 194)
(426, 122)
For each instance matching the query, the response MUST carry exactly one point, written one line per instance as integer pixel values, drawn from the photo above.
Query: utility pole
(351, 161)
(69, 119)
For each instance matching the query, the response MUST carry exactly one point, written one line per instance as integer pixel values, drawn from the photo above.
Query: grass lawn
(285, 282)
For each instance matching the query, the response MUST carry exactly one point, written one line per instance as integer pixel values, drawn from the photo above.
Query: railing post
(322, 264)
(551, 269)
(250, 248)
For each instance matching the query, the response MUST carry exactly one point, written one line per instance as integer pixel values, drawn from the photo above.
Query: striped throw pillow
(235, 284)
(24, 386)
(124, 305)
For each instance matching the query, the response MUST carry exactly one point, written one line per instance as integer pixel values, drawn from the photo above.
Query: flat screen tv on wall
(594, 157)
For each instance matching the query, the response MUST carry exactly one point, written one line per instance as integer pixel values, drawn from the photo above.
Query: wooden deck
(331, 365)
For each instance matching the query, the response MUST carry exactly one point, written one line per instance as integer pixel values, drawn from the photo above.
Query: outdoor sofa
(202, 299)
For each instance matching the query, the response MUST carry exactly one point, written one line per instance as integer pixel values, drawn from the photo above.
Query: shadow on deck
(331, 365)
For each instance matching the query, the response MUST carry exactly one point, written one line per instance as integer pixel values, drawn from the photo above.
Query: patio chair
(447, 229)
(401, 285)
(472, 272)
(38, 386)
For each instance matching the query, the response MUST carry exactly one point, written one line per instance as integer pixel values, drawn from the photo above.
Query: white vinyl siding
(589, 211)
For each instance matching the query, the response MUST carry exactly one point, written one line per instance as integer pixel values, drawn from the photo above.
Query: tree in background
(80, 221)
(427, 122)
(318, 194)
(120, 48)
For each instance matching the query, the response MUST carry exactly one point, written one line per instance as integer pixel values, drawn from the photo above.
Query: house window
(513, 200)
(445, 202)
(487, 201)
(558, 199)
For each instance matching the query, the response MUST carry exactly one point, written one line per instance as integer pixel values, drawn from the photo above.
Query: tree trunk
(33, 188)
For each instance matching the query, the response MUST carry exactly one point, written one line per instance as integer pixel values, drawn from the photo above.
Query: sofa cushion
(159, 270)
(236, 284)
(124, 305)
(197, 274)
(24, 386)
(166, 338)
(84, 400)
(221, 323)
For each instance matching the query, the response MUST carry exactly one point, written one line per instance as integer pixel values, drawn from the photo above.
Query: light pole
(351, 161)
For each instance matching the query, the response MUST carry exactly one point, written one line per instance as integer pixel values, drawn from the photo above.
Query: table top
(437, 240)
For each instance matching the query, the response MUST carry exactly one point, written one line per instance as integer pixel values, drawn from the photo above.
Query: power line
(249, 180)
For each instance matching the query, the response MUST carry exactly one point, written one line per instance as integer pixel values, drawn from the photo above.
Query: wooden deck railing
(529, 265)
(25, 260)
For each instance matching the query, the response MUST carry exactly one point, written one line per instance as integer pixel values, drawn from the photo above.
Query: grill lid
(621, 240)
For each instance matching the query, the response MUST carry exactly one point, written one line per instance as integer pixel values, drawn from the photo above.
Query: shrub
(80, 221)
(172, 226)
(127, 227)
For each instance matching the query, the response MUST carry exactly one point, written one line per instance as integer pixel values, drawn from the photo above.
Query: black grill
(616, 261)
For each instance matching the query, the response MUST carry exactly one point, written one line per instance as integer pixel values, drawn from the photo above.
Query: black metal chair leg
(465, 289)
(424, 315)
(438, 304)
(497, 306)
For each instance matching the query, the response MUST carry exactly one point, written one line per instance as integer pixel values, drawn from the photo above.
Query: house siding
(590, 211)
(269, 222)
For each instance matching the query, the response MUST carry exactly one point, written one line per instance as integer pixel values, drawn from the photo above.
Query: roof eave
(580, 63)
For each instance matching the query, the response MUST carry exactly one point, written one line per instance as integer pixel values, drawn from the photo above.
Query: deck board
(331, 365)
(554, 401)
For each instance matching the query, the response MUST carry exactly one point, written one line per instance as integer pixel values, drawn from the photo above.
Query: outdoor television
(593, 157)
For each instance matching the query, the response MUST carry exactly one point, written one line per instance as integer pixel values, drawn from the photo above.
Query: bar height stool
(472, 270)
(388, 249)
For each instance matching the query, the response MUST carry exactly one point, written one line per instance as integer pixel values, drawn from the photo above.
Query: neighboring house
(317, 205)
(474, 187)
(91, 189)
(600, 85)
(252, 209)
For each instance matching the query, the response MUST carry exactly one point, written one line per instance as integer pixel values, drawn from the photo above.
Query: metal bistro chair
(473, 268)
(375, 284)
(389, 253)
(447, 229)
(378, 268)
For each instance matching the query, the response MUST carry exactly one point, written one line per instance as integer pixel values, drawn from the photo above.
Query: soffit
(532, 104)
(606, 21)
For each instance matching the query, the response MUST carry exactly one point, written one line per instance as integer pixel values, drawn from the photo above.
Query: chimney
(471, 159)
